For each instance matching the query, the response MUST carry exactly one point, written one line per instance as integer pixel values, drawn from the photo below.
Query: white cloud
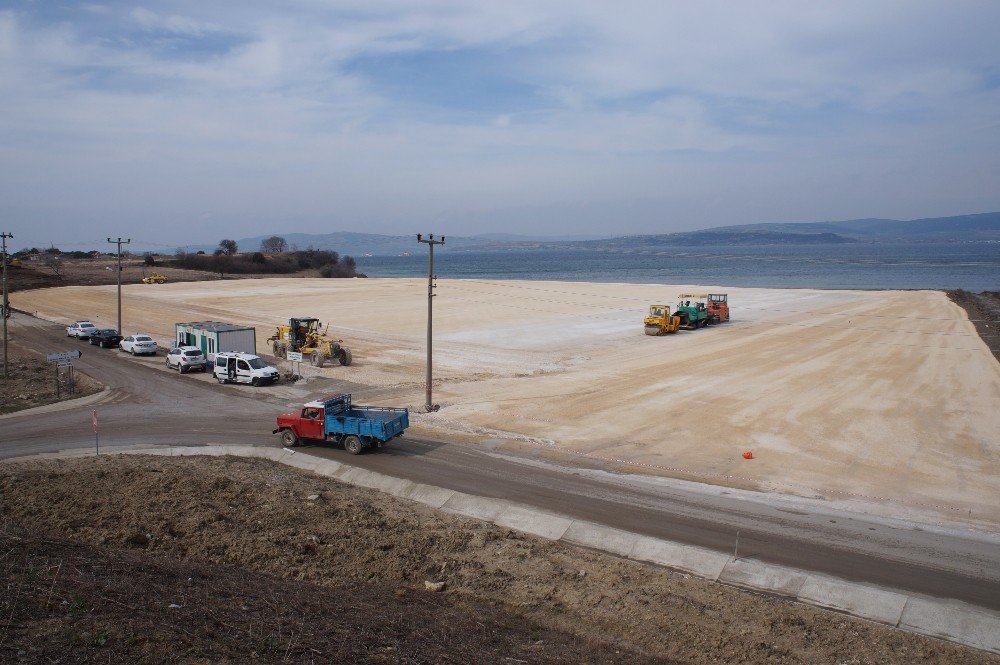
(697, 112)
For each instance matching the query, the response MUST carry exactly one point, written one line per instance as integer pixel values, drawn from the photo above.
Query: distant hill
(983, 226)
(961, 228)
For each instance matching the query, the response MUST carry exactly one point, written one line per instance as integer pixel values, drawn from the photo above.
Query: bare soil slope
(366, 548)
(884, 396)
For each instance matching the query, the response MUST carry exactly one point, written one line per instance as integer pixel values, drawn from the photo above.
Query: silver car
(186, 358)
(138, 344)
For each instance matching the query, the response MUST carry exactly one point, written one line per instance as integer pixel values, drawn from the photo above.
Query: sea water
(973, 266)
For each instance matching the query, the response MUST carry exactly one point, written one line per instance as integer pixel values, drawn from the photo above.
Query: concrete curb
(949, 620)
(61, 405)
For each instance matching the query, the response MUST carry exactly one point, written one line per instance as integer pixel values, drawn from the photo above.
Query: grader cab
(303, 335)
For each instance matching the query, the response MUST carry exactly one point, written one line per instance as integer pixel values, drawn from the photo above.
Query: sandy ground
(888, 396)
(533, 600)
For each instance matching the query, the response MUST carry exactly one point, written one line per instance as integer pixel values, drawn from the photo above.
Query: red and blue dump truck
(335, 419)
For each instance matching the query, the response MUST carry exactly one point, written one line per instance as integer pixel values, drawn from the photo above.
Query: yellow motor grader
(303, 335)
(155, 278)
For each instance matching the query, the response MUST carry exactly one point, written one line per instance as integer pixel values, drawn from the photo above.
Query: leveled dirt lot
(883, 396)
(373, 553)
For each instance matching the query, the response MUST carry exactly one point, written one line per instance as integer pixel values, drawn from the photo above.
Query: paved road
(150, 406)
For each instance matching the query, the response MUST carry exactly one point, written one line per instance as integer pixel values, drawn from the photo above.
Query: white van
(233, 367)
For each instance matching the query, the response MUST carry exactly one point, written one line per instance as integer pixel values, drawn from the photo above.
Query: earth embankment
(232, 543)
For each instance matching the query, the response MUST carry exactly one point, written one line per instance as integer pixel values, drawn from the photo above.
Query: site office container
(213, 337)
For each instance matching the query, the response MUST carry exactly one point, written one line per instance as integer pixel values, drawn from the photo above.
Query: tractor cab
(718, 307)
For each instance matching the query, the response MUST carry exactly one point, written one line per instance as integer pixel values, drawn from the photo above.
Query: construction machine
(692, 316)
(660, 321)
(718, 307)
(708, 308)
(303, 335)
(155, 278)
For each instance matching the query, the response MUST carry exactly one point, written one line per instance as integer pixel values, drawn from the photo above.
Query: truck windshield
(257, 363)
(656, 311)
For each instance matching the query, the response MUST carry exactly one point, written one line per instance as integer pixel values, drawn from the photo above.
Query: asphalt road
(149, 406)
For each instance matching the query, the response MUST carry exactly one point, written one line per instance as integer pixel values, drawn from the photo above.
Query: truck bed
(381, 423)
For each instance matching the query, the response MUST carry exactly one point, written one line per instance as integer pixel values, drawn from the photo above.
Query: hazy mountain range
(962, 228)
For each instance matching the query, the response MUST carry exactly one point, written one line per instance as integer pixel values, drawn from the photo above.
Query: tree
(228, 247)
(274, 245)
(148, 259)
(53, 263)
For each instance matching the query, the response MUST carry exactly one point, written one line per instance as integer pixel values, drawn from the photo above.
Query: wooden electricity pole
(120, 242)
(430, 242)
(5, 308)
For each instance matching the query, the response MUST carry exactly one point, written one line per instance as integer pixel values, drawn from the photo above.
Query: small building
(213, 337)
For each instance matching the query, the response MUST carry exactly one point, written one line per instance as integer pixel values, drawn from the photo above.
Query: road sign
(295, 356)
(65, 355)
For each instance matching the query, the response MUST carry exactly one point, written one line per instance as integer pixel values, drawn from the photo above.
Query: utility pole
(119, 242)
(5, 308)
(430, 242)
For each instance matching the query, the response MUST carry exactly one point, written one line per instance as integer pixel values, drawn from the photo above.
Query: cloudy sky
(184, 122)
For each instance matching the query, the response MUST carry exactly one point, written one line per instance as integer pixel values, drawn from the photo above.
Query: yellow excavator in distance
(155, 278)
(660, 322)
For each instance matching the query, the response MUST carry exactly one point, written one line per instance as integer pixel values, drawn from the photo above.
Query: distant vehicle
(235, 367)
(186, 358)
(80, 329)
(106, 338)
(335, 419)
(138, 345)
(155, 278)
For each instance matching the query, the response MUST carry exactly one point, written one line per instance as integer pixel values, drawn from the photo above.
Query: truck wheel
(255, 382)
(289, 438)
(353, 445)
(344, 356)
(317, 359)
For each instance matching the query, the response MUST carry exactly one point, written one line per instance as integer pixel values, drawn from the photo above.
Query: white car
(186, 358)
(80, 329)
(138, 344)
(233, 367)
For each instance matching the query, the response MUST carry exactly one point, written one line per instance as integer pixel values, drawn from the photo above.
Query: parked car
(138, 345)
(106, 338)
(233, 367)
(186, 358)
(80, 329)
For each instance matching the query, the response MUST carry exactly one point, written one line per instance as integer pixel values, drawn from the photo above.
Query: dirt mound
(984, 311)
(31, 382)
(275, 520)
(72, 602)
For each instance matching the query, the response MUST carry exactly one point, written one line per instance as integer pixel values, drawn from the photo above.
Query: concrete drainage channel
(954, 621)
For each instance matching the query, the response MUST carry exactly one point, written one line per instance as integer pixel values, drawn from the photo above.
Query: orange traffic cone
(748, 455)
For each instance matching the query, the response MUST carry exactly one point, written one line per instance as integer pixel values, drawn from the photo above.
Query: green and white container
(213, 337)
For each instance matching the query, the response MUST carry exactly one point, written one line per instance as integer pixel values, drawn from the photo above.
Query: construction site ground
(884, 397)
(135, 559)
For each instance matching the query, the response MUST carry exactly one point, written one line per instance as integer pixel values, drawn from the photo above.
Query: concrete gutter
(949, 620)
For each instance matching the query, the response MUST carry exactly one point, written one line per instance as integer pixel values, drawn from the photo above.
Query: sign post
(63, 359)
(296, 357)
(93, 422)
